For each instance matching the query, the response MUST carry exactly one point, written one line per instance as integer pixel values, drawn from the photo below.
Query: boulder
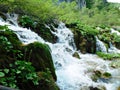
(6, 88)
(76, 55)
(40, 56)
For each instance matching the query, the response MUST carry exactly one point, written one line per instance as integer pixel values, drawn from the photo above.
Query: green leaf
(2, 74)
(18, 71)
(6, 70)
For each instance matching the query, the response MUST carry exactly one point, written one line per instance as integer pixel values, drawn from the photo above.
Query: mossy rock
(102, 76)
(118, 88)
(40, 56)
(3, 15)
(8, 45)
(115, 64)
(46, 82)
(45, 33)
(5, 60)
(117, 45)
(76, 55)
(12, 37)
(99, 87)
(86, 44)
(4, 8)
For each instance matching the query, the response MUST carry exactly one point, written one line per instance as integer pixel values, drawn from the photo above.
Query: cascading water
(72, 73)
(100, 46)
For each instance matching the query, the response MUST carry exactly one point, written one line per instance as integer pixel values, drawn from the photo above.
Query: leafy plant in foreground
(19, 72)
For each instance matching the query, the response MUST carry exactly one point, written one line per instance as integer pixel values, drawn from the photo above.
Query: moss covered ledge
(40, 56)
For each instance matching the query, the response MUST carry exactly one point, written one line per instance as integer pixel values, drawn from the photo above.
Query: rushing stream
(72, 73)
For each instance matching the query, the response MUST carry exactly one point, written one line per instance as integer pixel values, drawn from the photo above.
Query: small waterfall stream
(72, 73)
(100, 46)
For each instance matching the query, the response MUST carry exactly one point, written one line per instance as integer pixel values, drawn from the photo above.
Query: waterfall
(72, 73)
(113, 49)
(115, 31)
(100, 46)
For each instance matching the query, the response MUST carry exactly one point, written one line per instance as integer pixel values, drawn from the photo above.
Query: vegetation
(18, 72)
(86, 30)
(33, 63)
(21, 65)
(95, 13)
(108, 56)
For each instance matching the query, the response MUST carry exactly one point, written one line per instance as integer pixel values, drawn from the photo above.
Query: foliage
(19, 72)
(46, 75)
(5, 45)
(108, 56)
(116, 38)
(86, 29)
(95, 13)
(26, 21)
(4, 28)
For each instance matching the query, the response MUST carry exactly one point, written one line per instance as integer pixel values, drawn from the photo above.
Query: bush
(19, 72)
(87, 30)
(108, 56)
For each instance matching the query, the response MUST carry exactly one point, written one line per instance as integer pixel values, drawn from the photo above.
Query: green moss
(47, 81)
(10, 35)
(40, 56)
(99, 74)
(18, 72)
(86, 29)
(108, 56)
(106, 75)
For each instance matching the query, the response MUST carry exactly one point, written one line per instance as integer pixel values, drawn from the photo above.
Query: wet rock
(6, 88)
(117, 45)
(68, 49)
(86, 44)
(101, 76)
(45, 32)
(115, 64)
(40, 56)
(3, 15)
(85, 88)
(118, 88)
(99, 87)
(76, 55)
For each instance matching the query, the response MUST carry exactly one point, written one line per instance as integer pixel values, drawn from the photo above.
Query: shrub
(19, 72)
(108, 56)
(86, 29)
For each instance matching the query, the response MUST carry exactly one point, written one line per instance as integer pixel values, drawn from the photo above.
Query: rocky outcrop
(40, 56)
(45, 32)
(85, 44)
(11, 50)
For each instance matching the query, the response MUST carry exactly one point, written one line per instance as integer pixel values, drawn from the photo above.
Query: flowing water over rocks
(72, 73)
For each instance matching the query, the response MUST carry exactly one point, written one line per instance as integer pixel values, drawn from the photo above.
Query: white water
(72, 73)
(115, 31)
(100, 46)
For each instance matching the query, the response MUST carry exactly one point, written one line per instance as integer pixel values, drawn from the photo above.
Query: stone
(6, 88)
(99, 87)
(76, 55)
